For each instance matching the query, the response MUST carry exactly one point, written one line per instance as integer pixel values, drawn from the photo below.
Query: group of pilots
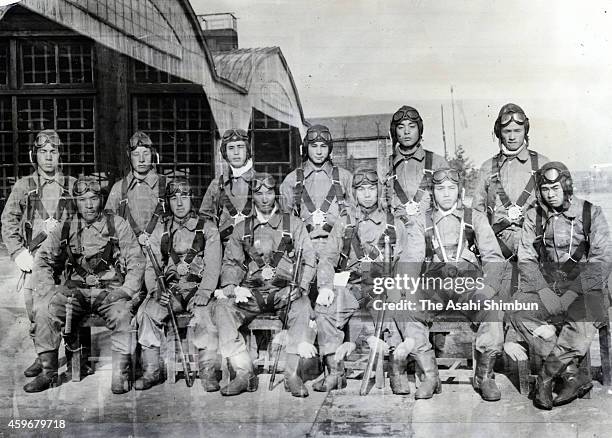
(526, 235)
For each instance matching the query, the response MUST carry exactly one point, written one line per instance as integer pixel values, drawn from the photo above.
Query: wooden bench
(173, 363)
(83, 339)
(356, 363)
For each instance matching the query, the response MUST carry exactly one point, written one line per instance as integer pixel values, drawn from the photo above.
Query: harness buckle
(412, 208)
(515, 212)
(143, 238)
(268, 272)
(318, 217)
(92, 280)
(182, 269)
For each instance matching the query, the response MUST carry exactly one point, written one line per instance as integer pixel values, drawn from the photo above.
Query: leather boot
(245, 379)
(120, 383)
(33, 370)
(551, 368)
(48, 376)
(484, 378)
(150, 365)
(335, 379)
(431, 384)
(398, 378)
(293, 377)
(576, 382)
(208, 370)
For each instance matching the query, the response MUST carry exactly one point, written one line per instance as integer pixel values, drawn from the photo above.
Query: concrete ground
(90, 409)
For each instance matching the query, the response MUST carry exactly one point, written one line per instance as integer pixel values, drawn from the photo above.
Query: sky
(371, 56)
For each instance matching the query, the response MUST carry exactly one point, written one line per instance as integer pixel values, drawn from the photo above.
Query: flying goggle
(81, 187)
(519, 118)
(269, 182)
(138, 141)
(552, 176)
(44, 138)
(410, 114)
(323, 135)
(235, 134)
(441, 175)
(369, 176)
(180, 187)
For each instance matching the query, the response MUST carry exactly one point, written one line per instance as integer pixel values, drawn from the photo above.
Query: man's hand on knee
(325, 297)
(515, 351)
(306, 350)
(225, 292)
(404, 349)
(242, 294)
(344, 351)
(545, 331)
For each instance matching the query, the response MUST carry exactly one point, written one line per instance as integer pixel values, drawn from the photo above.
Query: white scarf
(508, 153)
(239, 171)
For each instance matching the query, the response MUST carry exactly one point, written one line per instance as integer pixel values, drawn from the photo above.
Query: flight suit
(245, 264)
(321, 190)
(408, 181)
(457, 245)
(141, 202)
(505, 182)
(228, 200)
(176, 247)
(119, 278)
(543, 262)
(34, 206)
(359, 248)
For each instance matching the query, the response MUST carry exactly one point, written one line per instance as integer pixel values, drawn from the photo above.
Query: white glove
(377, 344)
(545, 331)
(24, 260)
(325, 297)
(220, 295)
(404, 349)
(515, 351)
(344, 351)
(306, 350)
(242, 294)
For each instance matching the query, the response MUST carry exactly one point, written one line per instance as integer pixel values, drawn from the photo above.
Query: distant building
(360, 141)
(98, 70)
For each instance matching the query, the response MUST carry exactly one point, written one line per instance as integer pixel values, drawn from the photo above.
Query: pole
(454, 126)
(443, 132)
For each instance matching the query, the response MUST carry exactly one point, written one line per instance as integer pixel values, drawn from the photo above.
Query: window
(46, 63)
(180, 126)
(275, 145)
(7, 167)
(4, 64)
(146, 74)
(72, 118)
